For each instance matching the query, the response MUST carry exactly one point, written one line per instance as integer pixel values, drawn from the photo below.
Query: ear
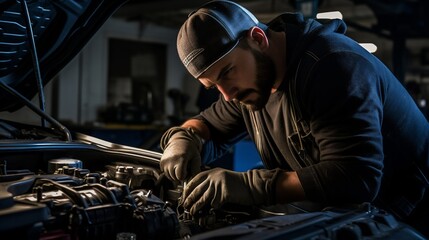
(259, 37)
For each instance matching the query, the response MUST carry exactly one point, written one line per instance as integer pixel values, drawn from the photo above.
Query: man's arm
(199, 127)
(288, 188)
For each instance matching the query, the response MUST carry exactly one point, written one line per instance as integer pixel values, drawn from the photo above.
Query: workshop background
(128, 85)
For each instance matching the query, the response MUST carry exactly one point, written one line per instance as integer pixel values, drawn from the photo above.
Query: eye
(226, 74)
(211, 87)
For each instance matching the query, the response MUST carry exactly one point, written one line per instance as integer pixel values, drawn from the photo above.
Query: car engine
(93, 189)
(126, 200)
(82, 204)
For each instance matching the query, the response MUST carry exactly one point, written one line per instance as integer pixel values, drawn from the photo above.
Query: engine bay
(128, 201)
(82, 204)
(93, 189)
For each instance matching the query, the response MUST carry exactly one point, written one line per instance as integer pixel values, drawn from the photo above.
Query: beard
(265, 78)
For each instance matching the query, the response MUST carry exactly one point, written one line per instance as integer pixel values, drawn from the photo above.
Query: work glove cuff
(181, 133)
(262, 183)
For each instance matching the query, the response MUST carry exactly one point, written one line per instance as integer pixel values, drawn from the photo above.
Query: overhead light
(370, 47)
(330, 15)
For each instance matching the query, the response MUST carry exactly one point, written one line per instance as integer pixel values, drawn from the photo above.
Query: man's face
(244, 75)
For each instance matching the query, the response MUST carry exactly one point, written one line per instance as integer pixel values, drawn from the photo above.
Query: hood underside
(60, 29)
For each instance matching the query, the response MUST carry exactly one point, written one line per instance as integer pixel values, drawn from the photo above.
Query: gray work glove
(181, 158)
(219, 186)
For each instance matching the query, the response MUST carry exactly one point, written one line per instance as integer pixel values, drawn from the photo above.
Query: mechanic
(331, 123)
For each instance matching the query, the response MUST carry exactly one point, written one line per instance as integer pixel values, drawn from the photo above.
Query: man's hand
(181, 158)
(219, 186)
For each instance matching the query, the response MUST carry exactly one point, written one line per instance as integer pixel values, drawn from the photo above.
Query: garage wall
(83, 82)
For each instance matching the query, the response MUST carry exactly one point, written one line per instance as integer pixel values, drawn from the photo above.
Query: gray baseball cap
(211, 32)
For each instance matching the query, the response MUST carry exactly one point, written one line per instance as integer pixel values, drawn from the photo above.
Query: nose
(228, 93)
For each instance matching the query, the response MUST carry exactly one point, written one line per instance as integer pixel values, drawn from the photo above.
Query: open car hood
(60, 29)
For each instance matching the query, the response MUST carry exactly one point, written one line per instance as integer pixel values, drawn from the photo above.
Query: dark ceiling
(173, 13)
(407, 18)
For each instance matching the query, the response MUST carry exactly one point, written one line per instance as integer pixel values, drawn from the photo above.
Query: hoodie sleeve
(344, 99)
